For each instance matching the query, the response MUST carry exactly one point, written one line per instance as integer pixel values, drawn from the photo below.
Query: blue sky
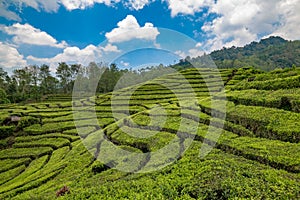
(135, 32)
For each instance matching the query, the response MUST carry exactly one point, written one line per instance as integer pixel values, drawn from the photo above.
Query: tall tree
(12, 90)
(34, 71)
(23, 79)
(64, 73)
(44, 76)
(75, 69)
(94, 72)
(53, 83)
(3, 97)
(81, 79)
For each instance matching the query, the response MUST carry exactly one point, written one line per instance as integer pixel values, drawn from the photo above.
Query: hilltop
(267, 54)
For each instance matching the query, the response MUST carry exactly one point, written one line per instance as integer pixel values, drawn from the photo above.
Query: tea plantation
(47, 146)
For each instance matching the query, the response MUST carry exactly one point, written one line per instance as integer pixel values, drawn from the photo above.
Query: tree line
(34, 83)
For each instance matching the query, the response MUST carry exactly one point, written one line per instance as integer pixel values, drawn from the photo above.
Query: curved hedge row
(275, 84)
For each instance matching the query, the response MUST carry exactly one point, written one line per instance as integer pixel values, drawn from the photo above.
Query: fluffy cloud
(71, 55)
(176, 6)
(110, 48)
(129, 29)
(4, 12)
(48, 5)
(125, 64)
(187, 7)
(82, 4)
(290, 23)
(181, 54)
(241, 21)
(137, 4)
(198, 45)
(193, 53)
(27, 34)
(10, 57)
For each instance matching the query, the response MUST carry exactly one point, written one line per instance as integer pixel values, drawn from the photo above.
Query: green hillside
(267, 54)
(255, 157)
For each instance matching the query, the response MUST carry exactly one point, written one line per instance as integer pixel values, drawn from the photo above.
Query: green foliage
(25, 152)
(9, 164)
(282, 99)
(255, 157)
(54, 143)
(280, 83)
(3, 97)
(27, 121)
(58, 98)
(71, 138)
(268, 54)
(98, 167)
(11, 174)
(49, 114)
(6, 143)
(38, 129)
(39, 171)
(275, 124)
(6, 131)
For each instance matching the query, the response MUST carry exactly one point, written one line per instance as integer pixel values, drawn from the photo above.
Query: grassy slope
(257, 155)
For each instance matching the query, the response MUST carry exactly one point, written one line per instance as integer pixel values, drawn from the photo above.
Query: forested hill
(268, 54)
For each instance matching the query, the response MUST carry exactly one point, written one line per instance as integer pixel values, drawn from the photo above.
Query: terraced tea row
(226, 175)
(281, 99)
(275, 124)
(256, 141)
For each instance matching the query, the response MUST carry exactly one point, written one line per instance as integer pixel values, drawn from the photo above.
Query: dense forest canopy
(268, 54)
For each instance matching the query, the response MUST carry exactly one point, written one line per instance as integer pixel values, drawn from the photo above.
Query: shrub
(27, 121)
(6, 131)
(7, 142)
(99, 167)
(3, 97)
(273, 84)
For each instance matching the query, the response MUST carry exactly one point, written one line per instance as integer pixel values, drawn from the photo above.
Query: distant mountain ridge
(267, 54)
(248, 50)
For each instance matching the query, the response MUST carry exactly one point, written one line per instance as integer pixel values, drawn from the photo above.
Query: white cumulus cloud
(47, 5)
(181, 54)
(137, 4)
(82, 4)
(10, 57)
(242, 21)
(110, 48)
(290, 19)
(187, 7)
(83, 56)
(193, 52)
(129, 29)
(10, 15)
(125, 64)
(27, 34)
